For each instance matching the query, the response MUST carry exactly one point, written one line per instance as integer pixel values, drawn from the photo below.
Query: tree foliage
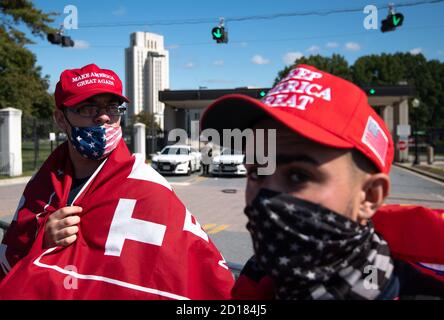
(149, 120)
(22, 85)
(336, 64)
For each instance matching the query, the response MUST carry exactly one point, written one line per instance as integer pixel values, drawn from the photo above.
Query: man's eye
(82, 109)
(88, 106)
(297, 177)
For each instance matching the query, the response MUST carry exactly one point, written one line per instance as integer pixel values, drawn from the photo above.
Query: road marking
(188, 182)
(208, 226)
(438, 195)
(199, 179)
(218, 229)
(180, 183)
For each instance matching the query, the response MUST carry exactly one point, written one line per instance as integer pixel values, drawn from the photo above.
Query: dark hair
(362, 162)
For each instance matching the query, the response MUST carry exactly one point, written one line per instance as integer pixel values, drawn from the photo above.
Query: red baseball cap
(315, 104)
(77, 85)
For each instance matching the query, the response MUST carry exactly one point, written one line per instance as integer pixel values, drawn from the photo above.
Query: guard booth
(182, 107)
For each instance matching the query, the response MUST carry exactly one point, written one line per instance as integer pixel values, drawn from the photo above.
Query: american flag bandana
(311, 252)
(96, 142)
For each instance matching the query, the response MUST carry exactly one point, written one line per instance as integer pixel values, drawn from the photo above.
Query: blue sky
(257, 49)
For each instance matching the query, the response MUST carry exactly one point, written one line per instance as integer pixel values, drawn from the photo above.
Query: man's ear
(60, 120)
(376, 188)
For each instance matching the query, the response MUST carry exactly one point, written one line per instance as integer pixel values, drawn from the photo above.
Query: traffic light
(372, 91)
(392, 21)
(54, 38)
(59, 39)
(220, 34)
(67, 42)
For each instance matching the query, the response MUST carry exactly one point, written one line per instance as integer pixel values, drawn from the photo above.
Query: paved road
(412, 188)
(218, 204)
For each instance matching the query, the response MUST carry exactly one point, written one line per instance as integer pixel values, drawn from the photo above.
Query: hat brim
(90, 93)
(242, 112)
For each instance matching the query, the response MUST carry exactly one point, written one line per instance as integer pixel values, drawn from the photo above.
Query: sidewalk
(11, 181)
(435, 170)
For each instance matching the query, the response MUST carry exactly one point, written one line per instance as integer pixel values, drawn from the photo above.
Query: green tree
(149, 120)
(22, 85)
(381, 69)
(336, 64)
(414, 70)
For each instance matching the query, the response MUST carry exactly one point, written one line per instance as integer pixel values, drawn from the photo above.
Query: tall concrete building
(146, 73)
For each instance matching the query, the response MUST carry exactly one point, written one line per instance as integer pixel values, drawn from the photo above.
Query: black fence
(435, 138)
(36, 144)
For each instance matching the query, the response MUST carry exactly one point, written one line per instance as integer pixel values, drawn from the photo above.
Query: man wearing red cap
(96, 222)
(314, 223)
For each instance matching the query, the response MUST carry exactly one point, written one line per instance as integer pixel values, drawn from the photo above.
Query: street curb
(7, 182)
(422, 172)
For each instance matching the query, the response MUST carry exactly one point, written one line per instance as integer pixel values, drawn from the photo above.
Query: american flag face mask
(95, 142)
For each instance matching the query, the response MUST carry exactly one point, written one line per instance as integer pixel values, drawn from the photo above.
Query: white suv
(177, 159)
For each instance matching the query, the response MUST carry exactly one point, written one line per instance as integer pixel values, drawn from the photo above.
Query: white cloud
(120, 11)
(313, 49)
(218, 62)
(331, 44)
(190, 65)
(243, 44)
(258, 59)
(81, 44)
(290, 57)
(440, 52)
(352, 46)
(416, 51)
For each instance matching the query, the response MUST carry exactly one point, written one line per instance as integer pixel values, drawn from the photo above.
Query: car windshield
(231, 152)
(175, 150)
